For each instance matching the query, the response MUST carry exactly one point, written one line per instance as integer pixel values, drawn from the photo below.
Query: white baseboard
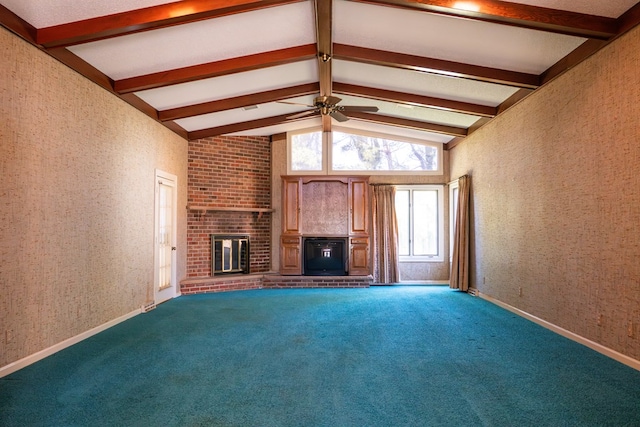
(424, 282)
(629, 361)
(19, 364)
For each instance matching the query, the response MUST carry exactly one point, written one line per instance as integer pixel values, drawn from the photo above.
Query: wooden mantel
(211, 208)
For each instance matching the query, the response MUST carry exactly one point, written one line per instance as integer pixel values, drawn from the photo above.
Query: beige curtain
(459, 278)
(385, 235)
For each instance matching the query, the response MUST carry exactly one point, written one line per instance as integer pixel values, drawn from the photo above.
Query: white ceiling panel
(239, 115)
(420, 83)
(206, 90)
(47, 13)
(395, 130)
(429, 115)
(201, 42)
(351, 125)
(449, 38)
(608, 8)
(285, 127)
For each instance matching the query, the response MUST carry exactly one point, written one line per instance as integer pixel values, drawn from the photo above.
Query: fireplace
(229, 254)
(325, 256)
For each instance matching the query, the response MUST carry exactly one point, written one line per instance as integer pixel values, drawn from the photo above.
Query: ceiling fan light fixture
(467, 5)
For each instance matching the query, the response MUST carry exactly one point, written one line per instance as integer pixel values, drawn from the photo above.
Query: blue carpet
(384, 356)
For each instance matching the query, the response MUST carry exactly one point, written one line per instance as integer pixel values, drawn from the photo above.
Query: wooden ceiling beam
(578, 55)
(244, 126)
(150, 18)
(435, 66)
(82, 67)
(515, 14)
(451, 144)
(514, 99)
(324, 37)
(415, 100)
(408, 123)
(174, 127)
(87, 70)
(629, 20)
(238, 102)
(17, 25)
(216, 69)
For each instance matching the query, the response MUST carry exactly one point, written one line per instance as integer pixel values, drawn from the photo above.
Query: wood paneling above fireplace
(325, 206)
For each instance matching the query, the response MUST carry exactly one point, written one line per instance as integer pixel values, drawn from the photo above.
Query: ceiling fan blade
(338, 116)
(302, 114)
(348, 108)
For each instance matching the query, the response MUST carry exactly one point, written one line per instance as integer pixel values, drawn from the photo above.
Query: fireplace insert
(229, 254)
(324, 256)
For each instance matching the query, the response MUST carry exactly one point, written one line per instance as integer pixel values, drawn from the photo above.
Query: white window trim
(325, 142)
(440, 191)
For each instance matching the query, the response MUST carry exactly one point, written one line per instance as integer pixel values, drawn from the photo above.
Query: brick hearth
(270, 281)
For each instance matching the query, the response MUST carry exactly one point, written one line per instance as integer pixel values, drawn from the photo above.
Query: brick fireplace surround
(235, 172)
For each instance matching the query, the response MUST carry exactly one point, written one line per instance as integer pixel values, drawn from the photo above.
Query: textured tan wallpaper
(556, 200)
(76, 202)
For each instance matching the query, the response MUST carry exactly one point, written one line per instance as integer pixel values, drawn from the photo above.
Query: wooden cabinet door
(359, 256)
(290, 255)
(358, 206)
(291, 193)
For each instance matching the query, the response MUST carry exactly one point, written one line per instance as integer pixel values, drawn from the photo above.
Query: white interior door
(165, 239)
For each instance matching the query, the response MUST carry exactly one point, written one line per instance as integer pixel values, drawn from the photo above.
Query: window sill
(420, 259)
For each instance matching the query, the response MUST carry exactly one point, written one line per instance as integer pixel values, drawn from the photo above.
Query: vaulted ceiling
(435, 69)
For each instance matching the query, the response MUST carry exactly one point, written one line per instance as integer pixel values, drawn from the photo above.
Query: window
(419, 210)
(313, 152)
(366, 152)
(305, 152)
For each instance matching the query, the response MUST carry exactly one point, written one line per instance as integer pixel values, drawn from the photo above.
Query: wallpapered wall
(76, 202)
(409, 271)
(556, 200)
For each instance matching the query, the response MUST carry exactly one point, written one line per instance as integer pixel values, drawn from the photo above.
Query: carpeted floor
(384, 356)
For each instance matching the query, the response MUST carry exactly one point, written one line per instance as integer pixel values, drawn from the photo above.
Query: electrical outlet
(630, 329)
(519, 292)
(8, 336)
(600, 319)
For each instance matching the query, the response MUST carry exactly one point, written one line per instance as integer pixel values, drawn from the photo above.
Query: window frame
(291, 135)
(439, 188)
(327, 153)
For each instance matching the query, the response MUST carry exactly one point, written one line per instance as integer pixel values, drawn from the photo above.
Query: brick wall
(228, 172)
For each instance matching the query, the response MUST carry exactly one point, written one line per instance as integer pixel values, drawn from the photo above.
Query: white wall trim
(24, 362)
(424, 282)
(629, 361)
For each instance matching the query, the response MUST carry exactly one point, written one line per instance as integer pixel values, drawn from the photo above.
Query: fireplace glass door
(230, 254)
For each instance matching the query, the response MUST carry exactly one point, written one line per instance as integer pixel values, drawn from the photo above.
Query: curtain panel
(385, 235)
(459, 278)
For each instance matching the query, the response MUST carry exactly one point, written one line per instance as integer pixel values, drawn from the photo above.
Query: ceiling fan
(328, 105)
